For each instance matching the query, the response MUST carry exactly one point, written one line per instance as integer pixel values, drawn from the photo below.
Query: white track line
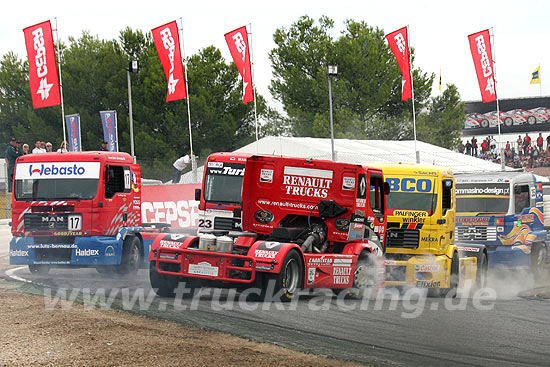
(10, 274)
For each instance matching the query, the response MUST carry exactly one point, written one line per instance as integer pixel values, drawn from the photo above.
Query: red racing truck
(80, 209)
(306, 224)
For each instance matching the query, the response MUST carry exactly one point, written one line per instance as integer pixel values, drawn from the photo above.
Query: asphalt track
(512, 329)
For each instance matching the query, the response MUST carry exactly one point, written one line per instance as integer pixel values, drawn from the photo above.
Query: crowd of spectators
(523, 153)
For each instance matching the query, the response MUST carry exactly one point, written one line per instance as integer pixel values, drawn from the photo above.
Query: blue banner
(110, 133)
(73, 133)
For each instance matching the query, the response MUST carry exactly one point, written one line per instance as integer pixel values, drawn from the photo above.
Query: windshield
(412, 201)
(56, 189)
(224, 183)
(482, 197)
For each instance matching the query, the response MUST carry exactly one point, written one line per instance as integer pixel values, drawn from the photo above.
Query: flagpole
(540, 81)
(253, 83)
(416, 152)
(193, 162)
(500, 148)
(60, 84)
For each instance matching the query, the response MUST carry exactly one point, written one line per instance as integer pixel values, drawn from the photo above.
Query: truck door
(447, 220)
(118, 198)
(377, 204)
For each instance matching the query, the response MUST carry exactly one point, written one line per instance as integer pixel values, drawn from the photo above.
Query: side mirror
(198, 194)
(386, 188)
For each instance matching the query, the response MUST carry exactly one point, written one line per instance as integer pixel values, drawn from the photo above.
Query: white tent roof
(365, 151)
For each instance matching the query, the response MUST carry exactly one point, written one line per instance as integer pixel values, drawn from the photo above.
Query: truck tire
(163, 285)
(452, 290)
(482, 266)
(290, 279)
(364, 277)
(39, 269)
(131, 256)
(538, 261)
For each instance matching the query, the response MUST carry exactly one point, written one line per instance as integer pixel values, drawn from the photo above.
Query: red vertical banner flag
(43, 78)
(167, 42)
(480, 45)
(399, 44)
(237, 41)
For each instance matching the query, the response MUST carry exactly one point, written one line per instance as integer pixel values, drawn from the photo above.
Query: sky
(438, 31)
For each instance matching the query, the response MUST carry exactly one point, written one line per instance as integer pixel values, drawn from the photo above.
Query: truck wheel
(131, 256)
(538, 261)
(39, 269)
(482, 265)
(163, 285)
(364, 277)
(442, 292)
(290, 279)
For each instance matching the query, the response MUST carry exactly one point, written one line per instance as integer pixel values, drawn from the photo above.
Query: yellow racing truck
(420, 247)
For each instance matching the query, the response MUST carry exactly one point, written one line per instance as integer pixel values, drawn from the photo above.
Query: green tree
(444, 120)
(366, 93)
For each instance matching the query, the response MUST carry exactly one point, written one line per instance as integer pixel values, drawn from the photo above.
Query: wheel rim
(134, 256)
(362, 277)
(531, 120)
(291, 276)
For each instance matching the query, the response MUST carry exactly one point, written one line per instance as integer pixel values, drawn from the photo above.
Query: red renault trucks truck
(79, 209)
(306, 224)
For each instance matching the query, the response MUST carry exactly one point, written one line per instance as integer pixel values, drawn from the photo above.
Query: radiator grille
(403, 238)
(476, 233)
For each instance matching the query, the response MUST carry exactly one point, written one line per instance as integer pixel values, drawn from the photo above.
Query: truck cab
(68, 208)
(420, 242)
(505, 212)
(306, 223)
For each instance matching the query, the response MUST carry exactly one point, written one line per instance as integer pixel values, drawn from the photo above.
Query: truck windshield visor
(482, 198)
(56, 189)
(56, 180)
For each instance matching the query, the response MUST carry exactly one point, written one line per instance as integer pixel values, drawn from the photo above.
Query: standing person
(493, 145)
(179, 166)
(38, 147)
(474, 146)
(103, 146)
(62, 148)
(468, 147)
(11, 154)
(540, 141)
(48, 147)
(507, 146)
(520, 144)
(461, 147)
(548, 141)
(484, 146)
(526, 142)
(25, 148)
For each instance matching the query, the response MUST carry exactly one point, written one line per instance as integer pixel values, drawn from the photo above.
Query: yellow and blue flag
(535, 76)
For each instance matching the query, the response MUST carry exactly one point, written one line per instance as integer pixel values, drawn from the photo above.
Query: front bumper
(427, 271)
(191, 263)
(83, 251)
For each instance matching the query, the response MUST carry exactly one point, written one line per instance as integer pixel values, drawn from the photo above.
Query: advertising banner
(237, 41)
(480, 45)
(167, 42)
(43, 78)
(399, 44)
(172, 204)
(73, 133)
(110, 133)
